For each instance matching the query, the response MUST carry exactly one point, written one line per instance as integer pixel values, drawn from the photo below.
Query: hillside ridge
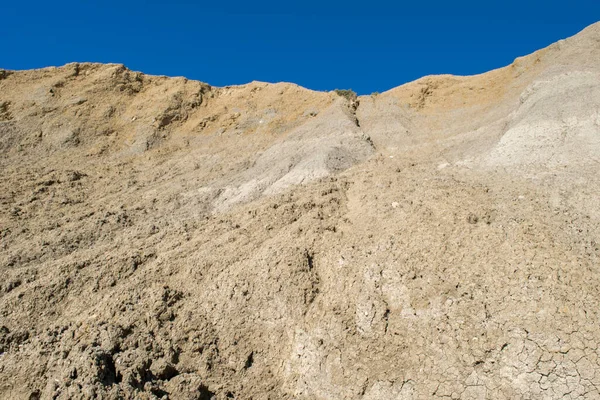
(165, 238)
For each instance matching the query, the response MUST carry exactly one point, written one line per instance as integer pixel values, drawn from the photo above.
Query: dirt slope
(162, 237)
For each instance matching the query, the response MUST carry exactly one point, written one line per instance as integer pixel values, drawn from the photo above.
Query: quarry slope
(162, 238)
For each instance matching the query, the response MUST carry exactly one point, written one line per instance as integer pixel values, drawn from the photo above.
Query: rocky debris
(5, 111)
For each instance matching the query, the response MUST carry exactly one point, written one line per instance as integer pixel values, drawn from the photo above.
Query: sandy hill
(162, 238)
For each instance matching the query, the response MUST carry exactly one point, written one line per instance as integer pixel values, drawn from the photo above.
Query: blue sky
(367, 46)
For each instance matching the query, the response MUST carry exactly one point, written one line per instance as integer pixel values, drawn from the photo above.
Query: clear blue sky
(367, 46)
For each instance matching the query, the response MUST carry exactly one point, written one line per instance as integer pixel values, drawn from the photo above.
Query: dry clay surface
(162, 238)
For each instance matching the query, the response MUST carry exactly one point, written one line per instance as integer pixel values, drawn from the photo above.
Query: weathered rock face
(161, 237)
